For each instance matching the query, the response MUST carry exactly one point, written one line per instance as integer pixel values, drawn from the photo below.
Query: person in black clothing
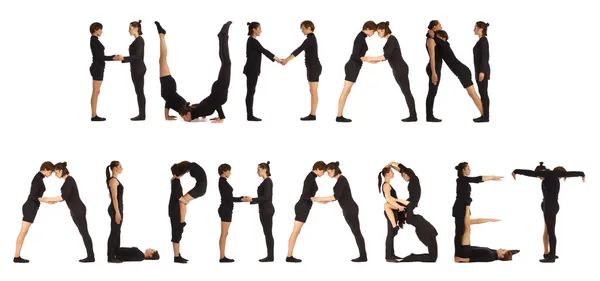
(414, 187)
(343, 194)
(393, 54)
(199, 189)
(70, 195)
(426, 233)
(31, 206)
(353, 66)
(135, 254)
(266, 210)
(138, 67)
(392, 207)
(302, 208)
(434, 68)
(550, 207)
(254, 52)
(313, 65)
(220, 88)
(461, 210)
(458, 68)
(115, 209)
(226, 208)
(481, 59)
(175, 213)
(97, 67)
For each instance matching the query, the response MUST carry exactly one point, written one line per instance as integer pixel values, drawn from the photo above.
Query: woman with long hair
(138, 67)
(115, 209)
(481, 59)
(266, 210)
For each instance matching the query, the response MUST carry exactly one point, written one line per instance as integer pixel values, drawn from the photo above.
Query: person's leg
(138, 84)
(114, 238)
(223, 238)
(545, 239)
(182, 212)
(96, 84)
(342, 101)
(390, 215)
(81, 223)
(473, 94)
(292, 241)
(20, 240)
(314, 97)
(354, 224)
(313, 74)
(162, 59)
(466, 238)
(404, 83)
(266, 220)
(431, 94)
(251, 81)
(389, 239)
(459, 231)
(176, 234)
(550, 219)
(220, 88)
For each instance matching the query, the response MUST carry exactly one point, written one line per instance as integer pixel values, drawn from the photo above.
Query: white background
(541, 111)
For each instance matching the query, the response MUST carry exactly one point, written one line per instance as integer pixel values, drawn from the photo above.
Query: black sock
(292, 259)
(87, 260)
(179, 259)
(20, 260)
(160, 28)
(267, 259)
(225, 29)
(226, 260)
(360, 259)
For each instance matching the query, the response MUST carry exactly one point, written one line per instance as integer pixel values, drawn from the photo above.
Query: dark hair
(560, 169)
(409, 172)
(385, 26)
(460, 167)
(432, 24)
(443, 34)
(401, 218)
(384, 171)
(484, 26)
(335, 166)
(507, 256)
(224, 168)
(251, 26)
(62, 166)
(109, 168)
(138, 25)
(370, 25)
(154, 256)
(95, 27)
(178, 169)
(319, 165)
(308, 24)
(47, 166)
(266, 167)
(541, 167)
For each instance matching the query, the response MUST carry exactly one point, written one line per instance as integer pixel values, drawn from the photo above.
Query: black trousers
(251, 81)
(432, 249)
(114, 238)
(432, 90)
(404, 83)
(266, 220)
(389, 239)
(550, 212)
(138, 83)
(81, 223)
(485, 98)
(354, 223)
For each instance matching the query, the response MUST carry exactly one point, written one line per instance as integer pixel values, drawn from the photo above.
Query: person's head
(96, 29)
(224, 170)
(264, 169)
(179, 169)
(254, 28)
(151, 254)
(60, 170)
(307, 27)
(135, 28)
(114, 169)
(560, 169)
(387, 174)
(333, 169)
(369, 28)
(47, 168)
(541, 168)
(480, 28)
(186, 112)
(504, 255)
(442, 34)
(434, 25)
(383, 29)
(319, 168)
(401, 218)
(406, 173)
(463, 169)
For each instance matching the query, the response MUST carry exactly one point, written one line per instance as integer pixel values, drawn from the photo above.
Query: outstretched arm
(480, 221)
(527, 173)
(570, 174)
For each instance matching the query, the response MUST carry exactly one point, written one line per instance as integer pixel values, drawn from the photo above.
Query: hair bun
(487, 24)
(248, 23)
(139, 21)
(387, 23)
(541, 163)
(337, 163)
(457, 168)
(268, 162)
(65, 163)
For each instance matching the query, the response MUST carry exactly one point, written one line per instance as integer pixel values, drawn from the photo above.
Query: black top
(482, 254)
(393, 53)
(130, 254)
(343, 194)
(463, 189)
(254, 52)
(438, 53)
(265, 196)
(447, 53)
(176, 193)
(98, 57)
(423, 228)
(197, 172)
(311, 50)
(309, 189)
(136, 55)
(70, 194)
(414, 188)
(551, 182)
(174, 101)
(392, 192)
(120, 190)
(226, 191)
(203, 110)
(359, 49)
(37, 189)
(481, 57)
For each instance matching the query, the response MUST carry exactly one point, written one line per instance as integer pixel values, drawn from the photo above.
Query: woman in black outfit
(302, 208)
(175, 212)
(434, 68)
(31, 206)
(70, 195)
(97, 67)
(226, 208)
(199, 189)
(138, 67)
(481, 59)
(115, 209)
(426, 233)
(343, 194)
(254, 52)
(391, 207)
(353, 66)
(393, 54)
(313, 65)
(550, 207)
(458, 68)
(462, 205)
(266, 210)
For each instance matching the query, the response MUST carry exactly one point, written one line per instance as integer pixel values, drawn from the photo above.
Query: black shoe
(310, 117)
(87, 260)
(20, 260)
(267, 259)
(548, 260)
(114, 260)
(548, 255)
(139, 118)
(98, 119)
(179, 259)
(392, 260)
(396, 229)
(160, 29)
(481, 119)
(410, 119)
(433, 119)
(226, 260)
(292, 259)
(224, 32)
(360, 259)
(342, 119)
(253, 119)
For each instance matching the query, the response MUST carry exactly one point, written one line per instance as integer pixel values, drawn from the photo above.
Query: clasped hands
(370, 60)
(47, 201)
(118, 57)
(319, 200)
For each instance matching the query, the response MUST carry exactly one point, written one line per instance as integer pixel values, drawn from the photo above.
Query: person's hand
(216, 120)
(497, 178)
(373, 62)
(402, 208)
(118, 218)
(314, 199)
(364, 59)
(247, 199)
(285, 61)
(434, 78)
(494, 220)
(514, 176)
(583, 179)
(481, 76)
(169, 117)
(182, 200)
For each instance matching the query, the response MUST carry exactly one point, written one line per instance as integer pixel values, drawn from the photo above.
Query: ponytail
(379, 182)
(107, 173)
(109, 169)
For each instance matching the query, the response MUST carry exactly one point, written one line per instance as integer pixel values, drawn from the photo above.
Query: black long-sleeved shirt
(226, 191)
(393, 53)
(463, 189)
(37, 189)
(414, 188)
(481, 57)
(447, 54)
(254, 52)
(203, 110)
(311, 50)
(359, 48)
(130, 254)
(70, 194)
(198, 173)
(309, 189)
(482, 254)
(265, 196)
(551, 182)
(176, 193)
(343, 194)
(98, 57)
(136, 55)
